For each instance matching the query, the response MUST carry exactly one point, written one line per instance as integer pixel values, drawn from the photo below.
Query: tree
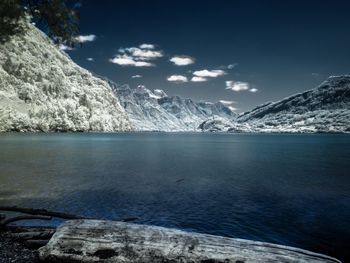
(59, 18)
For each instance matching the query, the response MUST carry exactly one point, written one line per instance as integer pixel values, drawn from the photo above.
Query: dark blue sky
(278, 47)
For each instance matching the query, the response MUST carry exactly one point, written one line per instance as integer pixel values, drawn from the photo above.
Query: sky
(244, 51)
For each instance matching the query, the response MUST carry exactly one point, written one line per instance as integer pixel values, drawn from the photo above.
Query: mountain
(218, 124)
(42, 89)
(323, 109)
(156, 111)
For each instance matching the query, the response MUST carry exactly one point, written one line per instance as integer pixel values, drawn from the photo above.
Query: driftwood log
(19, 218)
(42, 212)
(35, 237)
(108, 241)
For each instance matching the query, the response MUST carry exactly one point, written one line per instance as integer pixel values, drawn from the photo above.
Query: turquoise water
(286, 189)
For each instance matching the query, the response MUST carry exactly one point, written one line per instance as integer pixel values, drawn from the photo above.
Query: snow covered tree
(59, 18)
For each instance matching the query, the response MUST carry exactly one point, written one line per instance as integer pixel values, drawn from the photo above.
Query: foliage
(10, 14)
(42, 89)
(58, 17)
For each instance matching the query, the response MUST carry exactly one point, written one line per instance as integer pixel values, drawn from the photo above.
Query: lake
(280, 188)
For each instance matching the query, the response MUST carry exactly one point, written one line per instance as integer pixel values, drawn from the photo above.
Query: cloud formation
(142, 54)
(137, 56)
(237, 85)
(87, 38)
(231, 66)
(136, 76)
(124, 60)
(209, 73)
(182, 60)
(147, 46)
(65, 48)
(198, 79)
(90, 59)
(177, 78)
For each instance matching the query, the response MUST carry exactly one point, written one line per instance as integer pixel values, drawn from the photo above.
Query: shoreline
(12, 251)
(15, 250)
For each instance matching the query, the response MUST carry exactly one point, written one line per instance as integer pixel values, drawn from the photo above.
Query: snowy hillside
(42, 89)
(156, 111)
(323, 109)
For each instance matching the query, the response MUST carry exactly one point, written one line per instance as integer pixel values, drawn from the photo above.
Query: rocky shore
(15, 252)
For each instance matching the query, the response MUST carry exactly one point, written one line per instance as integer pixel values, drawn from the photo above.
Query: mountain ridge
(42, 89)
(325, 108)
(156, 111)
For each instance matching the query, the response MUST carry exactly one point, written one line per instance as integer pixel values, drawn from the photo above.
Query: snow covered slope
(42, 89)
(323, 109)
(156, 111)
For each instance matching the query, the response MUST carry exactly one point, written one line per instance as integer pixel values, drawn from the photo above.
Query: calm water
(287, 189)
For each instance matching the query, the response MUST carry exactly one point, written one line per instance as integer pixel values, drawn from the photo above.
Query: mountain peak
(160, 93)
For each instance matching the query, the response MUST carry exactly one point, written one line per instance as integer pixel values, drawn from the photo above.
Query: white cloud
(198, 79)
(65, 48)
(314, 74)
(237, 85)
(87, 38)
(144, 54)
(231, 66)
(253, 90)
(124, 60)
(182, 60)
(177, 78)
(137, 56)
(136, 76)
(209, 73)
(147, 46)
(90, 59)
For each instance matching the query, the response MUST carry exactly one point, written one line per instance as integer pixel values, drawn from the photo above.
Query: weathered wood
(108, 241)
(20, 218)
(43, 212)
(20, 229)
(32, 235)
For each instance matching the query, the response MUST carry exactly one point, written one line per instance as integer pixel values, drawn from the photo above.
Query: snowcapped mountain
(42, 89)
(156, 111)
(323, 109)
